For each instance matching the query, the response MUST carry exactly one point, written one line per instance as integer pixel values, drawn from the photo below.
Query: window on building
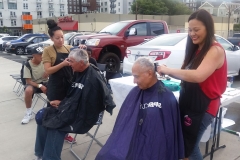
(51, 6)
(129, 3)
(50, 14)
(62, 7)
(12, 5)
(39, 6)
(105, 9)
(62, 14)
(105, 3)
(1, 22)
(25, 6)
(101, 9)
(74, 10)
(0, 14)
(70, 2)
(39, 14)
(28, 22)
(12, 14)
(13, 22)
(119, 4)
(1, 5)
(101, 3)
(118, 9)
(25, 13)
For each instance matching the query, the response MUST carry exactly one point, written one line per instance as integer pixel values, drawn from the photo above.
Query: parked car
(235, 39)
(19, 47)
(169, 49)
(42, 44)
(25, 37)
(6, 39)
(50, 42)
(108, 46)
(67, 36)
(4, 34)
(71, 39)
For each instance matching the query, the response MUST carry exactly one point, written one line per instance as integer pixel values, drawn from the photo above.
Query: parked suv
(19, 47)
(6, 39)
(109, 45)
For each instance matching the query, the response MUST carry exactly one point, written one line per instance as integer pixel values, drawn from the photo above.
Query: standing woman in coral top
(204, 79)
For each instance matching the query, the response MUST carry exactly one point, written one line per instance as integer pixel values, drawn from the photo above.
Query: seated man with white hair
(87, 97)
(148, 125)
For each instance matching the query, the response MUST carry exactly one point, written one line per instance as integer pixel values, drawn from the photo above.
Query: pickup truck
(109, 45)
(235, 39)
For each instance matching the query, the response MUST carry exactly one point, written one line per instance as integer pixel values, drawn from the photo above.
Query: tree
(230, 10)
(3, 29)
(176, 8)
(159, 7)
(149, 7)
(236, 27)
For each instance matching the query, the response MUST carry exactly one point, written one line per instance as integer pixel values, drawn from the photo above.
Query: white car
(4, 34)
(169, 49)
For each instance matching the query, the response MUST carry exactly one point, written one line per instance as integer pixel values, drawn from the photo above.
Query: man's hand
(55, 103)
(44, 89)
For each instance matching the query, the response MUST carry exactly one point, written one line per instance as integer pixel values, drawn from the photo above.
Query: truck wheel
(19, 50)
(112, 62)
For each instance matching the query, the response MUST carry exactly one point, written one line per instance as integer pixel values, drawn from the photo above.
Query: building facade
(83, 6)
(116, 6)
(16, 15)
(222, 9)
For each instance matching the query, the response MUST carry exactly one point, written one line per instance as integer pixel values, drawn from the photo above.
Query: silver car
(169, 49)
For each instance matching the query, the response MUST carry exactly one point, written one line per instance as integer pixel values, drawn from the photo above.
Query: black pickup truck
(235, 39)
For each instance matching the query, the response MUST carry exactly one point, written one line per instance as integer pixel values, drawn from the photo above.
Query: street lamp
(136, 8)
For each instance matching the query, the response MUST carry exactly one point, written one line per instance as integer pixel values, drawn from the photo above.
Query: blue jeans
(49, 143)
(206, 121)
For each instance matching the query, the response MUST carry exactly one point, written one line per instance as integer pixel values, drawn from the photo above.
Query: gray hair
(145, 63)
(79, 54)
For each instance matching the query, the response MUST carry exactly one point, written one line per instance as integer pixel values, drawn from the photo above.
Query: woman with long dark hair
(204, 79)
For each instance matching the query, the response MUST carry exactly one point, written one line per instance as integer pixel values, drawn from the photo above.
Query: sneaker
(70, 139)
(27, 118)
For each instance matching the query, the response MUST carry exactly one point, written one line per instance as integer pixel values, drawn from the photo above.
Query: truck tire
(112, 62)
(19, 51)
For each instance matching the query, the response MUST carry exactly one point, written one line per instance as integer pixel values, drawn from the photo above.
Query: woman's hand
(66, 62)
(55, 103)
(162, 70)
(82, 46)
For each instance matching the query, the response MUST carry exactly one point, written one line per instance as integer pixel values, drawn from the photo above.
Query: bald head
(144, 73)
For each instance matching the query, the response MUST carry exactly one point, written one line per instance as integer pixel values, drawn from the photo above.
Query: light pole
(136, 8)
